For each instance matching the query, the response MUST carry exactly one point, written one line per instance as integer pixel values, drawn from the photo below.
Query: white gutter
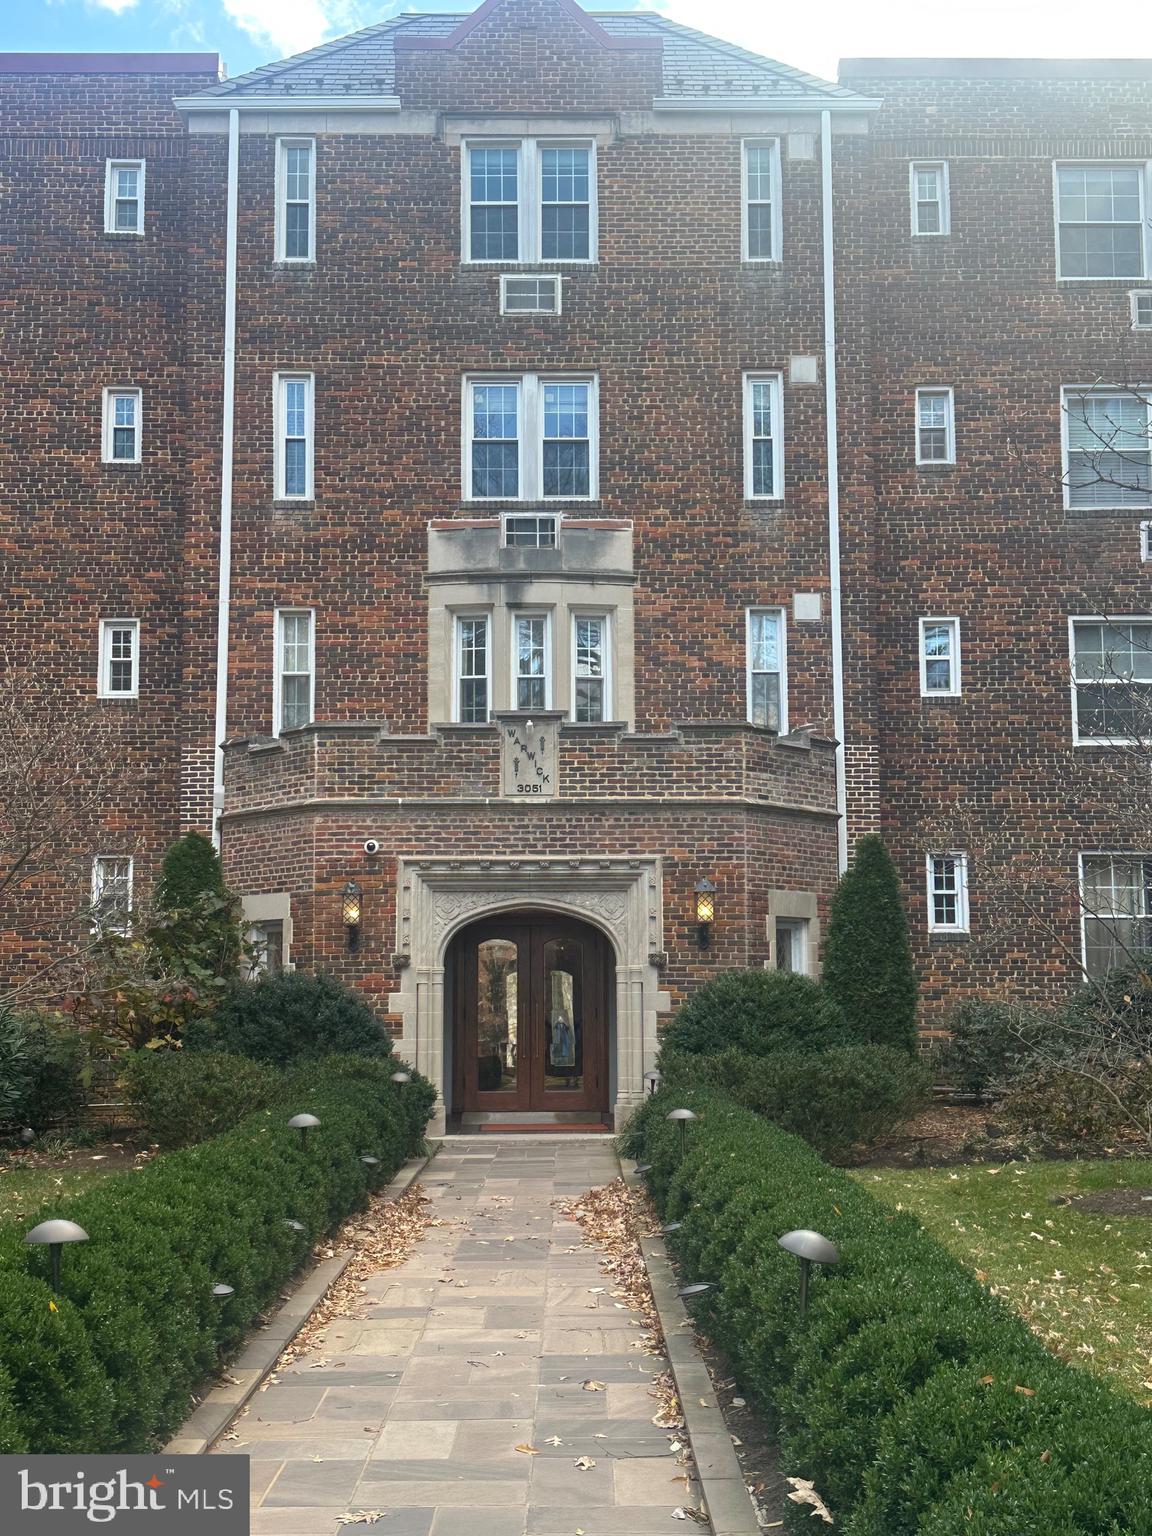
(286, 101)
(831, 428)
(227, 426)
(764, 103)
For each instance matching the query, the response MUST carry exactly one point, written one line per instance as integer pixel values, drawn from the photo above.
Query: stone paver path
(423, 1400)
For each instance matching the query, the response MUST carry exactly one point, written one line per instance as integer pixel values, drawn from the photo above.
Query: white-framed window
(947, 892)
(124, 197)
(763, 437)
(591, 668)
(294, 678)
(1141, 301)
(267, 940)
(295, 401)
(529, 200)
(1111, 663)
(939, 658)
(928, 193)
(473, 668)
(531, 438)
(1107, 445)
(792, 945)
(111, 892)
(530, 530)
(1146, 541)
(1100, 221)
(531, 661)
(767, 670)
(760, 206)
(538, 295)
(119, 659)
(295, 200)
(1115, 909)
(935, 426)
(123, 426)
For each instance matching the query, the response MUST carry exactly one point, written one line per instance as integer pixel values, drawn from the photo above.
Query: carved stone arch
(621, 897)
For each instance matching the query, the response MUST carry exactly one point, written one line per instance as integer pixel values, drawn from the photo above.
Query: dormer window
(529, 200)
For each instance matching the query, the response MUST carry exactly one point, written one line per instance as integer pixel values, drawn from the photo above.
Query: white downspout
(831, 425)
(224, 591)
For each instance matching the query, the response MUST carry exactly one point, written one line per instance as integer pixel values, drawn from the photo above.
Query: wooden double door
(531, 1015)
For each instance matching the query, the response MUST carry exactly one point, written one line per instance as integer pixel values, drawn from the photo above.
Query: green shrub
(297, 1016)
(136, 1329)
(56, 1086)
(14, 1065)
(756, 1012)
(182, 1097)
(1064, 1105)
(990, 1042)
(867, 959)
(833, 1099)
(197, 930)
(880, 1395)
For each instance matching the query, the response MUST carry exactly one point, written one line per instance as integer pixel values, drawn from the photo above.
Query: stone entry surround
(421, 1402)
(623, 897)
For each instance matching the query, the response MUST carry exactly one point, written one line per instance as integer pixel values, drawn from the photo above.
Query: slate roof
(696, 66)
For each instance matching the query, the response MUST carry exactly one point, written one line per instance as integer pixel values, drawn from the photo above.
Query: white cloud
(291, 26)
(117, 7)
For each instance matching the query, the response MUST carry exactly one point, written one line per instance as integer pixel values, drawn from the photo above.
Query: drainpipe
(224, 590)
(832, 449)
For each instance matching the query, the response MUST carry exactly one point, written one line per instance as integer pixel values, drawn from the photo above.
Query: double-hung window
(935, 427)
(531, 661)
(1100, 220)
(119, 659)
(530, 438)
(295, 417)
(763, 437)
(124, 197)
(766, 669)
(761, 201)
(1115, 909)
(529, 200)
(295, 200)
(1111, 680)
(1141, 302)
(294, 681)
(939, 658)
(928, 191)
(591, 700)
(948, 892)
(473, 667)
(123, 423)
(1107, 448)
(111, 892)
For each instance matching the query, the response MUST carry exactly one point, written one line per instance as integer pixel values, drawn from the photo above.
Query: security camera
(371, 845)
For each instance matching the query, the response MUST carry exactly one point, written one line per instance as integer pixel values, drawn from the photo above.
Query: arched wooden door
(531, 1005)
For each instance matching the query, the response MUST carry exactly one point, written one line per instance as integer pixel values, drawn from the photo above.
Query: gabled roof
(698, 69)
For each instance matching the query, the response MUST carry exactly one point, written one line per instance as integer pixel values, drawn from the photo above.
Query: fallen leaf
(986, 1381)
(583, 1463)
(529, 1450)
(804, 1492)
(1025, 1391)
(594, 1386)
(553, 1440)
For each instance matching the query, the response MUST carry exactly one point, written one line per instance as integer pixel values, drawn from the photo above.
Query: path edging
(726, 1497)
(208, 1421)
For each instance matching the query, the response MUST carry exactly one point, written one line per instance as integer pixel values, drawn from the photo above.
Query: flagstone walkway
(478, 1343)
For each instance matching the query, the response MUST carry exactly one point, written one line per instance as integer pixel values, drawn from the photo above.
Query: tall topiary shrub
(867, 961)
(197, 931)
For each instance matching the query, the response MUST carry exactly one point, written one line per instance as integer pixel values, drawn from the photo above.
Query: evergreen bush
(56, 1078)
(866, 957)
(756, 1012)
(914, 1400)
(181, 1097)
(293, 1017)
(990, 1041)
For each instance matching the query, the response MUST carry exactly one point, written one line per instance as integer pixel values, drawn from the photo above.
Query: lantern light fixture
(351, 912)
(705, 911)
(56, 1232)
(810, 1248)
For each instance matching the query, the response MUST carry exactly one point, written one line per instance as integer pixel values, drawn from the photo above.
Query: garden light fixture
(401, 1078)
(690, 1292)
(27, 1136)
(370, 1162)
(653, 1080)
(643, 1168)
(297, 1226)
(705, 911)
(303, 1124)
(671, 1226)
(810, 1248)
(56, 1233)
(351, 908)
(222, 1292)
(682, 1116)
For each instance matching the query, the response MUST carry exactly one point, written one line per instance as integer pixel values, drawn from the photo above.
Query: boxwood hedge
(111, 1364)
(915, 1401)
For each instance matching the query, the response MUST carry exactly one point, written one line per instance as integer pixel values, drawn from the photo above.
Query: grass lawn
(24, 1190)
(1081, 1280)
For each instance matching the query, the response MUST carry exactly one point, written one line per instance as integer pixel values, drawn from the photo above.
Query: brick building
(508, 473)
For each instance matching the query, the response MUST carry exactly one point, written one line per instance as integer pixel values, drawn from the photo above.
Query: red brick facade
(388, 320)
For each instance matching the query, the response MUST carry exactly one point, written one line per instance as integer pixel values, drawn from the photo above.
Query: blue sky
(251, 32)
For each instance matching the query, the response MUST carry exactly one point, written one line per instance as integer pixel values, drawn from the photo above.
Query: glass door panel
(497, 1018)
(563, 1016)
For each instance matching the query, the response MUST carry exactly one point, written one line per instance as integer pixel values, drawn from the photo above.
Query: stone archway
(623, 897)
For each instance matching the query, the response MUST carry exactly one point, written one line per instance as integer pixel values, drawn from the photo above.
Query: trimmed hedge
(914, 1401)
(136, 1329)
(181, 1097)
(295, 1016)
(758, 1012)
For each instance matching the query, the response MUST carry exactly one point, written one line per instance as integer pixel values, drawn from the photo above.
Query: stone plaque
(529, 755)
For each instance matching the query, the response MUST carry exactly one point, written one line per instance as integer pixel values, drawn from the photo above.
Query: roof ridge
(322, 50)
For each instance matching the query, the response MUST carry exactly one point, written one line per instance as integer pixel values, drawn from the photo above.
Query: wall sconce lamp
(350, 911)
(705, 911)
